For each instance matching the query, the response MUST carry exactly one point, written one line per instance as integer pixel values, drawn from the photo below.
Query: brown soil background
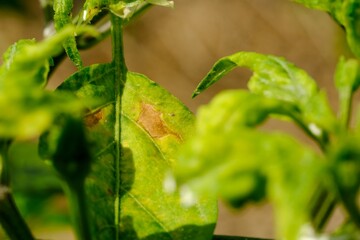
(177, 47)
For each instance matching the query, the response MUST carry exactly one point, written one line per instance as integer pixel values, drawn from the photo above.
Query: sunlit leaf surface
(153, 125)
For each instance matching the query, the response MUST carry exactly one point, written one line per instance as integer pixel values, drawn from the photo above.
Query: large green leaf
(231, 159)
(277, 78)
(153, 125)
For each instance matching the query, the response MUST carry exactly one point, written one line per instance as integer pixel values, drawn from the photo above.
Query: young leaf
(228, 158)
(153, 125)
(276, 78)
(92, 8)
(164, 3)
(126, 9)
(62, 18)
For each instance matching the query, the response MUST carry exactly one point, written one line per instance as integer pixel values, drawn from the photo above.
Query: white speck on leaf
(315, 129)
(169, 183)
(187, 196)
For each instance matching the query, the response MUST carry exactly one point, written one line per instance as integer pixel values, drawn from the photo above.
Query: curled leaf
(62, 18)
(277, 78)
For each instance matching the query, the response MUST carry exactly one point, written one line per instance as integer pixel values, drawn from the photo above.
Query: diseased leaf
(130, 186)
(276, 78)
(229, 158)
(62, 18)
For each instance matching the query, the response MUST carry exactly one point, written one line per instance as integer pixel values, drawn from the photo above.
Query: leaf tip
(195, 93)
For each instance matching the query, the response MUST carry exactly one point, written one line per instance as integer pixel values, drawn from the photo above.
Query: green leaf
(27, 108)
(153, 126)
(276, 78)
(126, 9)
(255, 109)
(62, 18)
(324, 5)
(228, 158)
(68, 149)
(351, 22)
(92, 8)
(346, 13)
(164, 3)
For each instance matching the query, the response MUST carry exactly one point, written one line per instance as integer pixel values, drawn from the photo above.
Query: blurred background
(176, 48)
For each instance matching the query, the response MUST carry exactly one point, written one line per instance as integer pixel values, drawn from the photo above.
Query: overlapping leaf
(153, 125)
(26, 108)
(229, 158)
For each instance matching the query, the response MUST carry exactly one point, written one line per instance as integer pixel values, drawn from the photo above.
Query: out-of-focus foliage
(231, 158)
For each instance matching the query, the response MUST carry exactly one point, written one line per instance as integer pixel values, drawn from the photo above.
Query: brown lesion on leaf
(93, 118)
(151, 120)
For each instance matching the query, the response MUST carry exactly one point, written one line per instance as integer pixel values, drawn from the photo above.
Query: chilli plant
(135, 163)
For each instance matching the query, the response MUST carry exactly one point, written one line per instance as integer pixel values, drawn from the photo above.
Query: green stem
(345, 107)
(119, 82)
(10, 217)
(76, 194)
(322, 208)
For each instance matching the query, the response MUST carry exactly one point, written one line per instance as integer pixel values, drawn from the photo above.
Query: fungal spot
(94, 118)
(150, 119)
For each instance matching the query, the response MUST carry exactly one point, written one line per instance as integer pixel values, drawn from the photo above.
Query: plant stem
(345, 107)
(76, 195)
(119, 82)
(323, 205)
(10, 217)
